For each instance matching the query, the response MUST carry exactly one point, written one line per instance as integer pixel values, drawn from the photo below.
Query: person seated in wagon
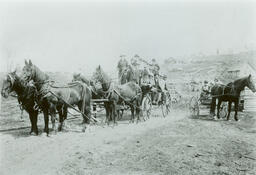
(147, 78)
(163, 88)
(205, 90)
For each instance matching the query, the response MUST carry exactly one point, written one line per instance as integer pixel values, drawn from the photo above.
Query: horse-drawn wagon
(147, 104)
(198, 104)
(228, 93)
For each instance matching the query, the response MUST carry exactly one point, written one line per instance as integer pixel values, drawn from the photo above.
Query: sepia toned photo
(125, 87)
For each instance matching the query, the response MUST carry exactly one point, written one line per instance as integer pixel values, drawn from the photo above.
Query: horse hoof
(44, 134)
(33, 134)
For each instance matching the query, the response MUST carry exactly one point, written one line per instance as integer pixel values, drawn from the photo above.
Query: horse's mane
(39, 75)
(238, 84)
(81, 78)
(240, 80)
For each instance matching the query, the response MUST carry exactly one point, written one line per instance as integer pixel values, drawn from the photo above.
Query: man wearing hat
(205, 89)
(155, 67)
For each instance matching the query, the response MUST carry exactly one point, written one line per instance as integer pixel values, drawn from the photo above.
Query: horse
(79, 77)
(130, 93)
(96, 91)
(61, 97)
(73, 94)
(25, 96)
(230, 93)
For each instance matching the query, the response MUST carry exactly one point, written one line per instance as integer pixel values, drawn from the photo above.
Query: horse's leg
(218, 108)
(60, 111)
(64, 114)
(35, 116)
(236, 109)
(32, 122)
(46, 121)
(60, 120)
(229, 109)
(88, 113)
(132, 113)
(79, 105)
(107, 111)
(114, 112)
(118, 114)
(53, 117)
(137, 111)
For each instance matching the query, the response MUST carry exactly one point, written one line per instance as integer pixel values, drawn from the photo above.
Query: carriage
(198, 104)
(147, 104)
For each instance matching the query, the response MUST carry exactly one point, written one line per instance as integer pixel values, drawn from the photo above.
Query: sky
(74, 35)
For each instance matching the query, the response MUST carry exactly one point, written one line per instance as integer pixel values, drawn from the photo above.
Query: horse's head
(28, 71)
(251, 84)
(8, 83)
(76, 77)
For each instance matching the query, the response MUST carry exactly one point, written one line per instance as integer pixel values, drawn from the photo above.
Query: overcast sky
(66, 36)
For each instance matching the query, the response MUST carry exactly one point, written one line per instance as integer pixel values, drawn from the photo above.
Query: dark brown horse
(61, 97)
(230, 93)
(26, 97)
(130, 93)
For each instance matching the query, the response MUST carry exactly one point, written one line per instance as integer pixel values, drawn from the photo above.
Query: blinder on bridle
(29, 77)
(8, 89)
(11, 79)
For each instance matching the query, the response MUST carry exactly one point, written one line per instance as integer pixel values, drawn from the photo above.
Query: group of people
(206, 88)
(150, 75)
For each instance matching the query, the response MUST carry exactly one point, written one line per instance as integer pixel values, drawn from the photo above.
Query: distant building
(241, 70)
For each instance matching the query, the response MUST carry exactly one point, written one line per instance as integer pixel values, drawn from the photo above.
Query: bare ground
(177, 144)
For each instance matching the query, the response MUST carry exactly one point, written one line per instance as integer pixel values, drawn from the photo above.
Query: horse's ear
(30, 62)
(26, 63)
(250, 76)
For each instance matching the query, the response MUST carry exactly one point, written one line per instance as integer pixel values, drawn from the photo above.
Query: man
(146, 77)
(161, 90)
(135, 61)
(217, 82)
(155, 67)
(205, 90)
(136, 68)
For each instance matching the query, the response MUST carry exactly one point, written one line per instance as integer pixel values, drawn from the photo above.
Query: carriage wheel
(146, 107)
(194, 106)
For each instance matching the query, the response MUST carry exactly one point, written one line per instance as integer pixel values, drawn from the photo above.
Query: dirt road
(176, 144)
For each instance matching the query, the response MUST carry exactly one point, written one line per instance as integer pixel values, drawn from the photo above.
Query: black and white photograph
(128, 87)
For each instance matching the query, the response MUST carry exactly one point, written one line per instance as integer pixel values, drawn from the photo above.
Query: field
(177, 144)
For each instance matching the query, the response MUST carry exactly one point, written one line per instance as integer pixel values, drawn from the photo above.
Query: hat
(205, 81)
